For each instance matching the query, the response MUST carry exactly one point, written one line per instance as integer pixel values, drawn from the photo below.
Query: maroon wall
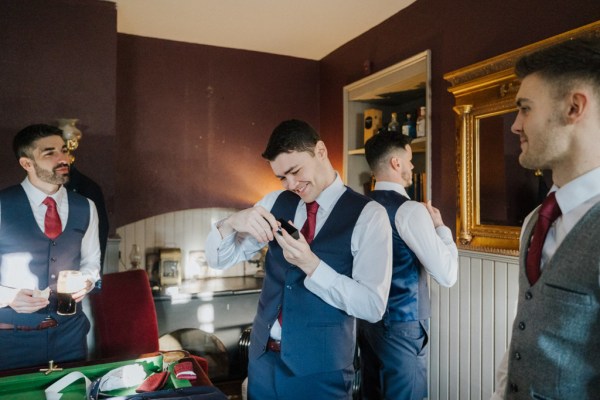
(58, 60)
(194, 119)
(458, 33)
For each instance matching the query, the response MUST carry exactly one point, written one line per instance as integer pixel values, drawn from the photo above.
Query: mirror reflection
(507, 191)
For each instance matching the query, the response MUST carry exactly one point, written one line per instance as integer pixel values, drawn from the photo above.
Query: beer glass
(69, 282)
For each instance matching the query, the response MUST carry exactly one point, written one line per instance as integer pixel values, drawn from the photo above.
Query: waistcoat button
(517, 355)
(528, 295)
(522, 325)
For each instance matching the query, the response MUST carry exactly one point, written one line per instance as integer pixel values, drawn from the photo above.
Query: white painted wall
(186, 230)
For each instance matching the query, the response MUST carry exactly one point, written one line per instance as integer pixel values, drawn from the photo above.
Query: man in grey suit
(555, 346)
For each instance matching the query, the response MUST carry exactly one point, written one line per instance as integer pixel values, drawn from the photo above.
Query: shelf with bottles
(369, 103)
(415, 128)
(417, 145)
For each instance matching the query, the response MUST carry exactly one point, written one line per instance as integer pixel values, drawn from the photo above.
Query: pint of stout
(69, 282)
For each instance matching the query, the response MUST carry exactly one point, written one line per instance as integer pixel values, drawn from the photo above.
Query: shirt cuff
(7, 295)
(323, 276)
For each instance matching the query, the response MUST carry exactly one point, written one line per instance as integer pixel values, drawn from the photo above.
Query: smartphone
(289, 228)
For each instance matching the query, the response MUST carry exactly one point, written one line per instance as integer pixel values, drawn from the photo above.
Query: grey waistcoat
(555, 345)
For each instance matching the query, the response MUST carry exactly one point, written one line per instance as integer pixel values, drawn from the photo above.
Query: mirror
(495, 192)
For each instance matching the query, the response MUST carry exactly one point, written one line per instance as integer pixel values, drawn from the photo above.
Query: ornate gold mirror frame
(484, 98)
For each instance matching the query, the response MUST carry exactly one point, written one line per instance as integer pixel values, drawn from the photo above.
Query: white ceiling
(300, 28)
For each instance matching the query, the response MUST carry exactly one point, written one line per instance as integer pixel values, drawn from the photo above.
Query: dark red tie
(548, 213)
(308, 230)
(52, 224)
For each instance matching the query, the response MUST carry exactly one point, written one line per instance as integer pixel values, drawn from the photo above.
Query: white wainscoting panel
(471, 325)
(186, 230)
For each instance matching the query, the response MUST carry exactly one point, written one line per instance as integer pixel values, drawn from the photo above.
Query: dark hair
(23, 141)
(565, 64)
(381, 144)
(291, 135)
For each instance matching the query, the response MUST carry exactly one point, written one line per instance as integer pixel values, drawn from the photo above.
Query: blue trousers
(63, 343)
(393, 360)
(270, 379)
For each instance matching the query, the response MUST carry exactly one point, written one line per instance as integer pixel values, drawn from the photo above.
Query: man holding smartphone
(303, 337)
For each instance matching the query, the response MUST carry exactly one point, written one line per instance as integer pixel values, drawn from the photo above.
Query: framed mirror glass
(495, 192)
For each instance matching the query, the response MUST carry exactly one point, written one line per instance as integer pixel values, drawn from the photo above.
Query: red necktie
(308, 230)
(548, 213)
(52, 224)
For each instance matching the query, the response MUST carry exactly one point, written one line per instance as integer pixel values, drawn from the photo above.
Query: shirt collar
(578, 191)
(36, 196)
(387, 185)
(331, 193)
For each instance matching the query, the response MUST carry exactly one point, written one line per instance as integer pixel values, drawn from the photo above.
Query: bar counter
(214, 311)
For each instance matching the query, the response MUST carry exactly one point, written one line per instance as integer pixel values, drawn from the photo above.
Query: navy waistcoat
(316, 337)
(20, 235)
(409, 295)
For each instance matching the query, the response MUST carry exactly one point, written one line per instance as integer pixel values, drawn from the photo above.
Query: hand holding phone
(289, 228)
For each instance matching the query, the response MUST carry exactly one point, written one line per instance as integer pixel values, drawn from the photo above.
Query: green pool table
(31, 385)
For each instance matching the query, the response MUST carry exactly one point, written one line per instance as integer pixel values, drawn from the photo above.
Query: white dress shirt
(365, 294)
(575, 199)
(434, 247)
(90, 245)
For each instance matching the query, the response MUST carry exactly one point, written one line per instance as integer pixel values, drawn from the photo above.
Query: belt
(274, 345)
(45, 324)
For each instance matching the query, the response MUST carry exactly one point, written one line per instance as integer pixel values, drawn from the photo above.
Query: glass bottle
(421, 122)
(409, 127)
(394, 125)
(135, 257)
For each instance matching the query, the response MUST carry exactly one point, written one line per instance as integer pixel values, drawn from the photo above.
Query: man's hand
(78, 296)
(297, 252)
(24, 302)
(436, 216)
(256, 221)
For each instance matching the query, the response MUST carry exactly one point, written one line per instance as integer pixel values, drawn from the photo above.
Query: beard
(407, 177)
(51, 176)
(546, 151)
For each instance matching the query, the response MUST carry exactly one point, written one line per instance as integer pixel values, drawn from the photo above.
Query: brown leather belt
(274, 345)
(45, 324)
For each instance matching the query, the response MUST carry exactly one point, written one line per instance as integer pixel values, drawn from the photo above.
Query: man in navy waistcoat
(303, 338)
(394, 350)
(32, 254)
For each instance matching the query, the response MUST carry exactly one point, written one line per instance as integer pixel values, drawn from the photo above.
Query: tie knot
(49, 202)
(550, 208)
(312, 207)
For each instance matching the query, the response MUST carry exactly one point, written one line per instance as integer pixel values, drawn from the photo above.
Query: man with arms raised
(394, 350)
